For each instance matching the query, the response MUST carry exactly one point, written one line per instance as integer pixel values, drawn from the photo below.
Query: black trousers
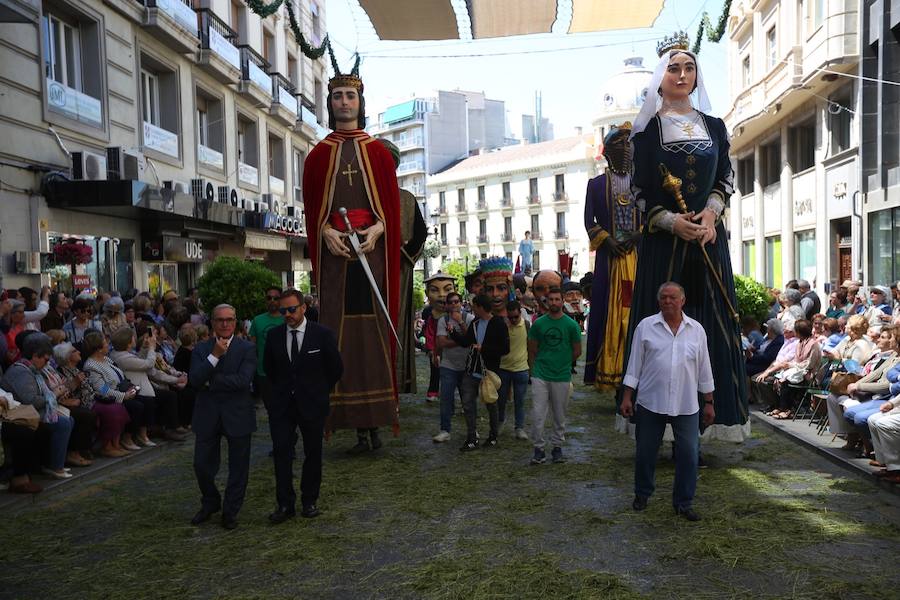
(82, 438)
(187, 396)
(434, 379)
(166, 408)
(284, 436)
(135, 410)
(21, 446)
(207, 458)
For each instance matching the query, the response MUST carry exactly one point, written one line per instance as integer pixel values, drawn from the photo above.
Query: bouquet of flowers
(73, 253)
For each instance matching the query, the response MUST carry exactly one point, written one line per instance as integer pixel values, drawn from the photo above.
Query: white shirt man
(668, 367)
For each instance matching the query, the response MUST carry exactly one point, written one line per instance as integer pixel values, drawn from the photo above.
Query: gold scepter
(672, 185)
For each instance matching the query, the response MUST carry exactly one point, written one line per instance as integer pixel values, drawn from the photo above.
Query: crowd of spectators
(850, 355)
(105, 374)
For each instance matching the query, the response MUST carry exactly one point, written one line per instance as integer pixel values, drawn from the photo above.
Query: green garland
(264, 10)
(713, 35)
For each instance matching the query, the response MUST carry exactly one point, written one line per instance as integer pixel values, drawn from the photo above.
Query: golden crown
(341, 80)
(678, 41)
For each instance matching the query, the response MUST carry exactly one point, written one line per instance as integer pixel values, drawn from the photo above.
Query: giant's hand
(372, 234)
(613, 247)
(685, 228)
(707, 219)
(334, 240)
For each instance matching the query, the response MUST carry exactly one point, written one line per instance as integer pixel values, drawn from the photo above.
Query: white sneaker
(443, 436)
(521, 435)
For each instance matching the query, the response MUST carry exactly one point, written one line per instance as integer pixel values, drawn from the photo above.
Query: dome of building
(625, 91)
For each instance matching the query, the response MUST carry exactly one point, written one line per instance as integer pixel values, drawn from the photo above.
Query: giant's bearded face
(437, 291)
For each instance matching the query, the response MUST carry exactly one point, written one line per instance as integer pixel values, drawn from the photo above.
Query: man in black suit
(222, 370)
(303, 364)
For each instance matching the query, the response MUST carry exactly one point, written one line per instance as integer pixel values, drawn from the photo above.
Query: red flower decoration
(69, 253)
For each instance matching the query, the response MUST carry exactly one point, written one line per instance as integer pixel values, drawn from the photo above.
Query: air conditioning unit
(228, 195)
(123, 164)
(28, 263)
(266, 204)
(248, 204)
(180, 187)
(89, 166)
(203, 190)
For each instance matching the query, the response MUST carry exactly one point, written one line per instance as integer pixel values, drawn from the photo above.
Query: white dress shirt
(290, 337)
(213, 360)
(669, 370)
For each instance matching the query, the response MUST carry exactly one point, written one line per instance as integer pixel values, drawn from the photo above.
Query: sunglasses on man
(288, 309)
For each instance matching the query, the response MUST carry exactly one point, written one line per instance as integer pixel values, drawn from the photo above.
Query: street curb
(83, 477)
(865, 473)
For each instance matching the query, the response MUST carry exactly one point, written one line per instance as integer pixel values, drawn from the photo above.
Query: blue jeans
(859, 415)
(518, 381)
(650, 427)
(58, 435)
(450, 382)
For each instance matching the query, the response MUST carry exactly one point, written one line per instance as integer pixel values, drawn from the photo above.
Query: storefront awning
(436, 19)
(266, 241)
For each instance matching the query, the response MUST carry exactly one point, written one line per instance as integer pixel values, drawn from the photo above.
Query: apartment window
(481, 199)
(239, 20)
(442, 202)
(802, 145)
(276, 157)
(773, 262)
(560, 224)
(533, 187)
(443, 234)
(160, 106)
(749, 252)
(746, 174)
(461, 197)
(318, 99)
(506, 193)
(462, 232)
(839, 119)
(507, 228)
(294, 72)
(884, 246)
(316, 24)
(71, 49)
(818, 12)
(560, 182)
(268, 48)
(805, 245)
(297, 160)
(535, 225)
(745, 71)
(248, 150)
(771, 163)
(771, 47)
(210, 130)
(482, 228)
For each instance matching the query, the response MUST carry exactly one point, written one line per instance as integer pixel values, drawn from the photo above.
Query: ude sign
(181, 249)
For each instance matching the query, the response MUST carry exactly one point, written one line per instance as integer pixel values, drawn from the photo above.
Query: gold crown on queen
(677, 41)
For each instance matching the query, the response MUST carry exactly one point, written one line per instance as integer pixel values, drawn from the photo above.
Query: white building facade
(486, 203)
(162, 133)
(795, 141)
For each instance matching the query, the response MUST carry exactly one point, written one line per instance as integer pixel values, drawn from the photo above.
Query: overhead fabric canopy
(436, 19)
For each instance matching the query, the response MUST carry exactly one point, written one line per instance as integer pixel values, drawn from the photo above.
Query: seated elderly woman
(859, 414)
(26, 381)
(874, 384)
(800, 369)
(855, 346)
(834, 333)
(113, 388)
(113, 317)
(884, 427)
(762, 389)
(765, 354)
(137, 367)
(790, 300)
(85, 422)
(20, 445)
(111, 415)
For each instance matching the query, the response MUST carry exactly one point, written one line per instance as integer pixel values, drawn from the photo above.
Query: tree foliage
(457, 268)
(418, 290)
(752, 297)
(242, 284)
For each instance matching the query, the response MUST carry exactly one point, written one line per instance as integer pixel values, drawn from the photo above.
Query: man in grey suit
(222, 370)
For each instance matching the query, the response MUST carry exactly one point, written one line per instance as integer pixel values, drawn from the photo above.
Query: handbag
(24, 414)
(840, 380)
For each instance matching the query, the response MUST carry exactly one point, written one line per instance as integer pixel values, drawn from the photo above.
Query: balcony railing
(483, 239)
(536, 235)
(559, 196)
(178, 11)
(217, 39)
(411, 142)
(283, 93)
(482, 205)
(507, 237)
(461, 240)
(506, 202)
(442, 209)
(443, 241)
(461, 207)
(561, 234)
(534, 199)
(255, 69)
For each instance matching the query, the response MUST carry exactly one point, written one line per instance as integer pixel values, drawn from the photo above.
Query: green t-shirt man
(555, 338)
(259, 329)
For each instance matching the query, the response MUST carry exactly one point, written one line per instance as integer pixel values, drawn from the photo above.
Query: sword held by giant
(354, 241)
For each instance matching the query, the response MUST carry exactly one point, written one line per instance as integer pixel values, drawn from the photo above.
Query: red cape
(376, 161)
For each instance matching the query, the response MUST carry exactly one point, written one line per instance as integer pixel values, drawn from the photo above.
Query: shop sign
(180, 249)
(152, 250)
(81, 282)
(74, 104)
(276, 222)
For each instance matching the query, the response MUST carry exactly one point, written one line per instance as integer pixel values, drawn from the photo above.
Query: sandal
(875, 463)
(784, 416)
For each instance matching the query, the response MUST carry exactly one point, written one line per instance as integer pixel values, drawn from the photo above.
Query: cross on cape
(349, 172)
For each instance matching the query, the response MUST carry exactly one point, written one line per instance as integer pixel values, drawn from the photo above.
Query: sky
(568, 69)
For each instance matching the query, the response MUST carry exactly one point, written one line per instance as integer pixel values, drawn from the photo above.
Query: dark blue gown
(703, 167)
